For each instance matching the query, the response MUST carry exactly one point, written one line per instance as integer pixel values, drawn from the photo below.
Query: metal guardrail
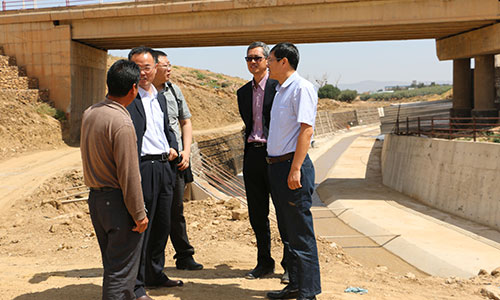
(475, 128)
(36, 4)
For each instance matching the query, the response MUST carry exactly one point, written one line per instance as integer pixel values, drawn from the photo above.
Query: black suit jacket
(245, 106)
(138, 115)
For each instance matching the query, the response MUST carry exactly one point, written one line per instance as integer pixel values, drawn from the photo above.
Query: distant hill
(211, 97)
(373, 85)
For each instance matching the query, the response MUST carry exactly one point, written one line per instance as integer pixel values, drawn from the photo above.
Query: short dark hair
(289, 51)
(122, 76)
(140, 50)
(157, 54)
(264, 46)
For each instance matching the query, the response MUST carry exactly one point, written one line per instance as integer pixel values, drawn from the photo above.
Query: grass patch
(46, 109)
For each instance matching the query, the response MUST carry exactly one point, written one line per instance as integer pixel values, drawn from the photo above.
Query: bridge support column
(88, 82)
(462, 88)
(484, 87)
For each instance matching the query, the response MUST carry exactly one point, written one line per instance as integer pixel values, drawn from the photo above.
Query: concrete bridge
(65, 48)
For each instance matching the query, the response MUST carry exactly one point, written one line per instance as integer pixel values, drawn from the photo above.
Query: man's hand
(140, 226)
(294, 179)
(172, 155)
(184, 162)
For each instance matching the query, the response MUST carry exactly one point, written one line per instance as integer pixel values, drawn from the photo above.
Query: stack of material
(425, 110)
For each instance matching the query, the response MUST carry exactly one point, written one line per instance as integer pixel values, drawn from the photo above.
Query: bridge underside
(66, 47)
(311, 35)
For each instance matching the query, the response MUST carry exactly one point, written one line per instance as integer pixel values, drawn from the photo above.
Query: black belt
(277, 159)
(103, 189)
(256, 144)
(159, 157)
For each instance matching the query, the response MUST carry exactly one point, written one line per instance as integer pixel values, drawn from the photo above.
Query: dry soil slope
(25, 125)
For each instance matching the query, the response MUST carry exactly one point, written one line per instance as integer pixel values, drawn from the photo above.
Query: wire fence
(473, 128)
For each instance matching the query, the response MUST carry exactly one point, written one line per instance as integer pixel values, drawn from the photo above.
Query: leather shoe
(188, 263)
(145, 297)
(259, 272)
(286, 293)
(169, 283)
(285, 279)
(307, 298)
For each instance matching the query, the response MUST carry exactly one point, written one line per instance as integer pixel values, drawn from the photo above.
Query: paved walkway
(352, 194)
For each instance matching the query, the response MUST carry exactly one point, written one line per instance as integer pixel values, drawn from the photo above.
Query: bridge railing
(35, 4)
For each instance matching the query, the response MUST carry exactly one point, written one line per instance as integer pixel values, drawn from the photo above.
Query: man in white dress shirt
(291, 172)
(157, 151)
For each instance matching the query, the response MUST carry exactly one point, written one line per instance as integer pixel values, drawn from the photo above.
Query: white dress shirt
(154, 141)
(295, 102)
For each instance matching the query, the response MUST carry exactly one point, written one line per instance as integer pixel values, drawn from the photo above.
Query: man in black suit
(157, 150)
(255, 100)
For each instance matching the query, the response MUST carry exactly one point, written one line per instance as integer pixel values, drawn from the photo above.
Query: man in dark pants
(111, 170)
(180, 122)
(254, 102)
(291, 172)
(157, 148)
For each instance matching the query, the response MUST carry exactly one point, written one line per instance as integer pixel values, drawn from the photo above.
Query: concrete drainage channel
(328, 221)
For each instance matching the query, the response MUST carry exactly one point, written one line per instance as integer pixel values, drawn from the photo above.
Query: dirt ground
(48, 250)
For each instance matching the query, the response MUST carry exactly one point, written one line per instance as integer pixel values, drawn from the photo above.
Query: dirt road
(20, 176)
(50, 252)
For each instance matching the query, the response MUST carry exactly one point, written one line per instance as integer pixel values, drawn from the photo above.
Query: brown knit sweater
(109, 153)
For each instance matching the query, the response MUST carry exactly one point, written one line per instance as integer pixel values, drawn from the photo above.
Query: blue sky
(347, 63)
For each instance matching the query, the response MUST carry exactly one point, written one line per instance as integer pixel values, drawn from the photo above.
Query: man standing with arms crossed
(180, 121)
(291, 171)
(111, 170)
(254, 102)
(156, 145)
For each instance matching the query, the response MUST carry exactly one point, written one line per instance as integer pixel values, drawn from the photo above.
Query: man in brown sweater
(111, 170)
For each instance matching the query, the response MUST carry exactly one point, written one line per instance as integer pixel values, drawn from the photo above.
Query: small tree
(328, 91)
(348, 95)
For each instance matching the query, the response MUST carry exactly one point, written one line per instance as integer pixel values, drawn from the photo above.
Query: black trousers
(120, 246)
(258, 190)
(157, 187)
(178, 234)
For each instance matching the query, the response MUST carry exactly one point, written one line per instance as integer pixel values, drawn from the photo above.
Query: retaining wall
(458, 177)
(227, 150)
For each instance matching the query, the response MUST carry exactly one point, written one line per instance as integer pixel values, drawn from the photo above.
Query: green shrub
(328, 91)
(199, 75)
(365, 97)
(348, 95)
(46, 109)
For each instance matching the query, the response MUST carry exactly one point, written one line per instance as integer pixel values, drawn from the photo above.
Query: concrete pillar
(462, 88)
(484, 87)
(88, 82)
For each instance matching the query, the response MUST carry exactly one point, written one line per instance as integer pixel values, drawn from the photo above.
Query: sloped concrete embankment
(458, 177)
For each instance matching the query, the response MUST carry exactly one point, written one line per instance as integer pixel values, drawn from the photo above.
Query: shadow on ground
(78, 273)
(212, 291)
(73, 292)
(218, 272)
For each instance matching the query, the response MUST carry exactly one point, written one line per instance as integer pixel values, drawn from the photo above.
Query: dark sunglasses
(251, 58)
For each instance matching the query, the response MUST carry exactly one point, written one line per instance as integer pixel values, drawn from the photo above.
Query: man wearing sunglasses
(254, 102)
